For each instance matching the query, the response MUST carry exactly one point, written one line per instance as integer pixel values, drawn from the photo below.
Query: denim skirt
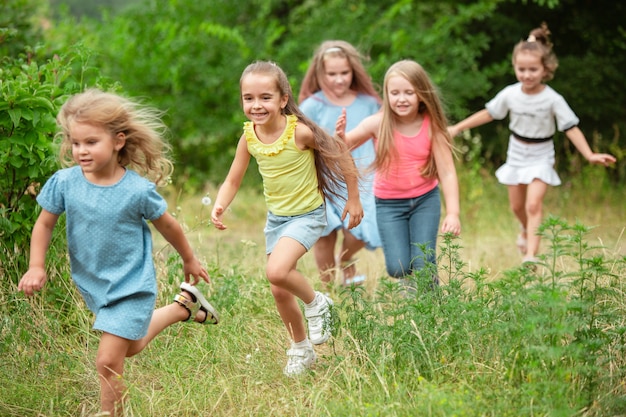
(305, 228)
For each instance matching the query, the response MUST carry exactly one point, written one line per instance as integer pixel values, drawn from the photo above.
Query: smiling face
(95, 149)
(529, 71)
(261, 99)
(337, 76)
(402, 97)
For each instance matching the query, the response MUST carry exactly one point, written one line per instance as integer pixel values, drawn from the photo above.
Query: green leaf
(16, 115)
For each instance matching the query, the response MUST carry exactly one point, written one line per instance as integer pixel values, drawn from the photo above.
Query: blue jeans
(404, 225)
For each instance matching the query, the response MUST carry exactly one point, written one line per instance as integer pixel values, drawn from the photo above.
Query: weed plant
(541, 340)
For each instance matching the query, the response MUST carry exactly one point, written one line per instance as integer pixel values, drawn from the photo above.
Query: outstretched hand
(602, 159)
(453, 131)
(216, 217)
(194, 268)
(340, 125)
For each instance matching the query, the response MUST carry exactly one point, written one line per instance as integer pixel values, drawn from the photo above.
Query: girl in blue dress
(336, 80)
(117, 157)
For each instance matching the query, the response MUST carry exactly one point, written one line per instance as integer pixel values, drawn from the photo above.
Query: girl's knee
(396, 271)
(276, 275)
(108, 365)
(517, 207)
(534, 208)
(280, 295)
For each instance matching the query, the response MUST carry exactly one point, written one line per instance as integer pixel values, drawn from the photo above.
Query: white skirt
(528, 161)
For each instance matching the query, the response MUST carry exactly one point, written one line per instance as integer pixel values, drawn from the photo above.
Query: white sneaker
(299, 360)
(319, 319)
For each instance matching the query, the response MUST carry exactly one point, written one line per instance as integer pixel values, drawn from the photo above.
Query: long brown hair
(330, 151)
(361, 81)
(429, 103)
(538, 42)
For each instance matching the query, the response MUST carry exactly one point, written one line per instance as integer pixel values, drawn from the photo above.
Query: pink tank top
(403, 179)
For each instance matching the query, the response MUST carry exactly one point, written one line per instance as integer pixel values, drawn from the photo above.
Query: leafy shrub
(552, 334)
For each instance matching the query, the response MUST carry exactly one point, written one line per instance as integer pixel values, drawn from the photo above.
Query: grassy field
(489, 228)
(495, 340)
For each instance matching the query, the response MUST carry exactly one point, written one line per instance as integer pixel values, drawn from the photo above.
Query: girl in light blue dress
(337, 80)
(117, 157)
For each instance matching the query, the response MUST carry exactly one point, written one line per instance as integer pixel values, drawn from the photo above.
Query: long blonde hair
(145, 149)
(330, 150)
(429, 104)
(361, 81)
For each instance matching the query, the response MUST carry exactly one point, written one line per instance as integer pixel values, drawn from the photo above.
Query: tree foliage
(186, 58)
(32, 88)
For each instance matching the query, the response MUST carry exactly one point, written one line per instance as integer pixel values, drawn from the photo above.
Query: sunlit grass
(496, 340)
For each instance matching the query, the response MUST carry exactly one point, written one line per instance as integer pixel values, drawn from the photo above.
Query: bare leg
(287, 283)
(113, 349)
(281, 269)
(290, 313)
(324, 251)
(161, 318)
(517, 202)
(349, 247)
(110, 366)
(535, 193)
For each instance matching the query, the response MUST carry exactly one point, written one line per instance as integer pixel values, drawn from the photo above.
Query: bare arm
(477, 119)
(576, 136)
(368, 128)
(231, 184)
(353, 204)
(173, 233)
(35, 278)
(450, 186)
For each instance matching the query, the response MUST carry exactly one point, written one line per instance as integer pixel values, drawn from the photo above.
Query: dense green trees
(186, 57)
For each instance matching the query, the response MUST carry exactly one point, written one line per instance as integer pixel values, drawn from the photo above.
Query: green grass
(496, 339)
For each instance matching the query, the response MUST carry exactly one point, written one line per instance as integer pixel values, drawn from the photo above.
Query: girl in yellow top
(301, 165)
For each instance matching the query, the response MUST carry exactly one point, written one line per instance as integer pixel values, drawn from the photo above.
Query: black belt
(530, 140)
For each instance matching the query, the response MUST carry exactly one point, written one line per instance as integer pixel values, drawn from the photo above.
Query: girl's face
(337, 76)
(94, 148)
(529, 71)
(261, 99)
(402, 97)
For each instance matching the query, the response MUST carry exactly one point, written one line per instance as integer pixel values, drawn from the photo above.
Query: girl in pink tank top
(413, 156)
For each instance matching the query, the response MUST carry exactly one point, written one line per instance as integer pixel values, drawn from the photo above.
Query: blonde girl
(336, 79)
(413, 157)
(301, 165)
(116, 156)
(535, 112)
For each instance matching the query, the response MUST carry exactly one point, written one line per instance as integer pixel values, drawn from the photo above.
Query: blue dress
(110, 245)
(325, 114)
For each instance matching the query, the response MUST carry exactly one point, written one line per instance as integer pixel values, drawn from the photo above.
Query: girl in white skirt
(533, 108)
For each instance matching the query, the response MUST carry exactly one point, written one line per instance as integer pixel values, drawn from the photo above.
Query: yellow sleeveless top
(289, 175)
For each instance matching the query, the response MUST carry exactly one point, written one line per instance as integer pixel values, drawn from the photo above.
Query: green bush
(553, 337)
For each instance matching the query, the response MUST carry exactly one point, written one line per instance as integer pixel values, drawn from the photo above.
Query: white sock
(314, 302)
(301, 344)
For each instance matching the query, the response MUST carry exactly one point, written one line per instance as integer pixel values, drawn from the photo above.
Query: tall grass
(495, 339)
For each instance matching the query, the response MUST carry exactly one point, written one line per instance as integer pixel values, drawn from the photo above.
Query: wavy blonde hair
(429, 103)
(145, 149)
